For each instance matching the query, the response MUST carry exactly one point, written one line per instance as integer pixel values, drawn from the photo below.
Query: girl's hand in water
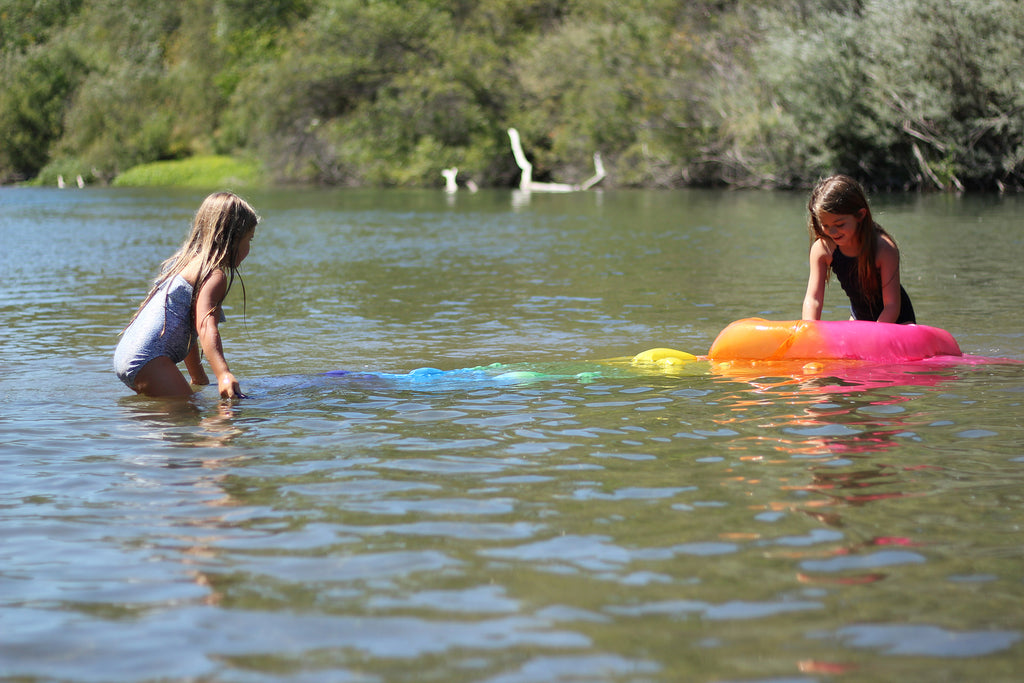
(228, 386)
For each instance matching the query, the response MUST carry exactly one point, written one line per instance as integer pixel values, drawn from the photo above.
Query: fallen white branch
(598, 173)
(526, 180)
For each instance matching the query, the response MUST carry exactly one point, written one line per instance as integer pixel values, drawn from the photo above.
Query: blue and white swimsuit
(163, 328)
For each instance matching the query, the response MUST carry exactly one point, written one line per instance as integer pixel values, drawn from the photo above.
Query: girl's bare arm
(195, 366)
(814, 298)
(211, 293)
(888, 262)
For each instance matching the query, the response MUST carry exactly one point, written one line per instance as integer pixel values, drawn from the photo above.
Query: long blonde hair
(844, 196)
(223, 220)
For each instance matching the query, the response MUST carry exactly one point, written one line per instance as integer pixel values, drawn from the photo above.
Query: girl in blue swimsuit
(846, 240)
(182, 312)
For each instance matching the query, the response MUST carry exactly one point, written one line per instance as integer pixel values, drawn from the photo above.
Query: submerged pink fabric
(757, 339)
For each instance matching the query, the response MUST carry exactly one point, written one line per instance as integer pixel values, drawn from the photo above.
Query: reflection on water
(448, 470)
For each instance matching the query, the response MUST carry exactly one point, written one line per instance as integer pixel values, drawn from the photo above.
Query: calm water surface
(529, 514)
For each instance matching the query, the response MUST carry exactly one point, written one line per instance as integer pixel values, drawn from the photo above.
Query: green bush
(35, 87)
(903, 93)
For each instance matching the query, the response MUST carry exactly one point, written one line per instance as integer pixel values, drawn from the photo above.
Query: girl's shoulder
(193, 274)
(885, 243)
(216, 279)
(822, 248)
(886, 251)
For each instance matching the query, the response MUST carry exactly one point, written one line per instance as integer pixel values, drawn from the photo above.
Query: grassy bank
(207, 172)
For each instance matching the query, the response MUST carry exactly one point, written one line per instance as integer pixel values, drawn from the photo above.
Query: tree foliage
(773, 93)
(37, 86)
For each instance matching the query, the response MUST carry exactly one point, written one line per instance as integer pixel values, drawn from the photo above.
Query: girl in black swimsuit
(845, 239)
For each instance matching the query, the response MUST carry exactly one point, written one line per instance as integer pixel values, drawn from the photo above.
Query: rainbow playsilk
(755, 339)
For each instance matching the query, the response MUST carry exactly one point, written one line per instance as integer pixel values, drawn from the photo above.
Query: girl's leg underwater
(161, 378)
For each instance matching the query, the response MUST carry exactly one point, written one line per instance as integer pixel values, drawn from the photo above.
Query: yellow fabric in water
(662, 356)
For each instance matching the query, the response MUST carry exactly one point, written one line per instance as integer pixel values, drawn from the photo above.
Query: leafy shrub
(36, 87)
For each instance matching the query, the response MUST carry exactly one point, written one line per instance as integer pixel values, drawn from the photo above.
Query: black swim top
(864, 308)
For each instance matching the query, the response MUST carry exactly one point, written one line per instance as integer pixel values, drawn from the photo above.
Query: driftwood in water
(526, 182)
(450, 184)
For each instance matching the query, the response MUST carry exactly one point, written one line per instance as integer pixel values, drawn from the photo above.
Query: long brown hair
(220, 224)
(842, 195)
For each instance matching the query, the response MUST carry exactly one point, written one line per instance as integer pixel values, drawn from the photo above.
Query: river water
(524, 512)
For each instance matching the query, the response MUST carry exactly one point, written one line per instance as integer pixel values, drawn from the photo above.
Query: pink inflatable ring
(772, 340)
